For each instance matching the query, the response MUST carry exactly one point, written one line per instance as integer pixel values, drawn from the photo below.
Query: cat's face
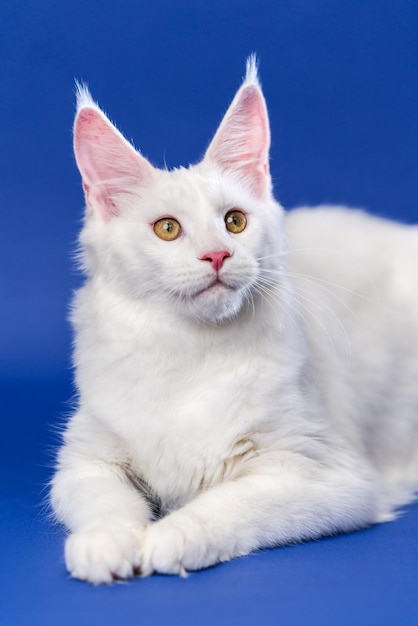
(193, 239)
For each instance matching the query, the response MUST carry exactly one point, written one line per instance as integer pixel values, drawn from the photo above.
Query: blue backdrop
(341, 82)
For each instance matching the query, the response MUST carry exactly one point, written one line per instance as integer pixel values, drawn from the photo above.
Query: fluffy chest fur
(190, 405)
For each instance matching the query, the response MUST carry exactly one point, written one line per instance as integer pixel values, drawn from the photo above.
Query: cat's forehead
(190, 188)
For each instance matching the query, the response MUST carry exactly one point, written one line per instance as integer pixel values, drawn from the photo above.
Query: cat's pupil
(168, 227)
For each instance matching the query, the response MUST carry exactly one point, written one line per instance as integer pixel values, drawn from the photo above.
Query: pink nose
(216, 258)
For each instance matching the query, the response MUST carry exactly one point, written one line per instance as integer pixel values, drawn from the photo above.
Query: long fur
(272, 401)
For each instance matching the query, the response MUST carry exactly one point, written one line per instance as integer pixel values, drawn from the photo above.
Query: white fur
(278, 406)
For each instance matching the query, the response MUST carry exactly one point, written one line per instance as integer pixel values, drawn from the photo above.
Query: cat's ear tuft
(108, 163)
(251, 74)
(242, 142)
(83, 96)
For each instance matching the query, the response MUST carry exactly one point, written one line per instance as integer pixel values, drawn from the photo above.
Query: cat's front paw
(175, 545)
(104, 554)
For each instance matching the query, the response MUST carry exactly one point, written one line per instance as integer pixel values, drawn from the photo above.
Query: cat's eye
(167, 228)
(235, 221)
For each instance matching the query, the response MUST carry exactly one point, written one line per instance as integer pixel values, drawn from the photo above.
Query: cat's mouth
(216, 284)
(216, 301)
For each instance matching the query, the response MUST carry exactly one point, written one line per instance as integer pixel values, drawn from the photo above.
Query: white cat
(246, 377)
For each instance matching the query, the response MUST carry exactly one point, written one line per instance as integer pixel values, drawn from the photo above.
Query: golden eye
(167, 228)
(235, 221)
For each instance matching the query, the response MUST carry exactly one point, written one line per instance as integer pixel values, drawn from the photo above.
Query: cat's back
(356, 284)
(373, 257)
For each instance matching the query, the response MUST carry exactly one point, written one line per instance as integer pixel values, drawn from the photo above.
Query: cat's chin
(216, 304)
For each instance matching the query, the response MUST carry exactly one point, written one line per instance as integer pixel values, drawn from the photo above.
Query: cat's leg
(106, 516)
(279, 504)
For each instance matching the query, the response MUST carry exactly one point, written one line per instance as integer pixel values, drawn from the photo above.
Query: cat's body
(249, 387)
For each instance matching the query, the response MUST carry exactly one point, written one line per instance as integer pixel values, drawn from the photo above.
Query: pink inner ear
(107, 162)
(242, 142)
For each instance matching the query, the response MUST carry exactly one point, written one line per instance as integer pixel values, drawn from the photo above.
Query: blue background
(341, 82)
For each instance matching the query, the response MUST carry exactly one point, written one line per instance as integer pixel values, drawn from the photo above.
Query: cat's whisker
(337, 298)
(285, 252)
(327, 311)
(250, 299)
(270, 293)
(276, 255)
(267, 295)
(322, 284)
(317, 280)
(333, 251)
(287, 307)
(303, 301)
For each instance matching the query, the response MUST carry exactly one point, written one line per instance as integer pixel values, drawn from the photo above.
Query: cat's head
(194, 239)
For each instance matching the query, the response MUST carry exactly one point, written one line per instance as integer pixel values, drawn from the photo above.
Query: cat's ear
(242, 141)
(108, 163)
